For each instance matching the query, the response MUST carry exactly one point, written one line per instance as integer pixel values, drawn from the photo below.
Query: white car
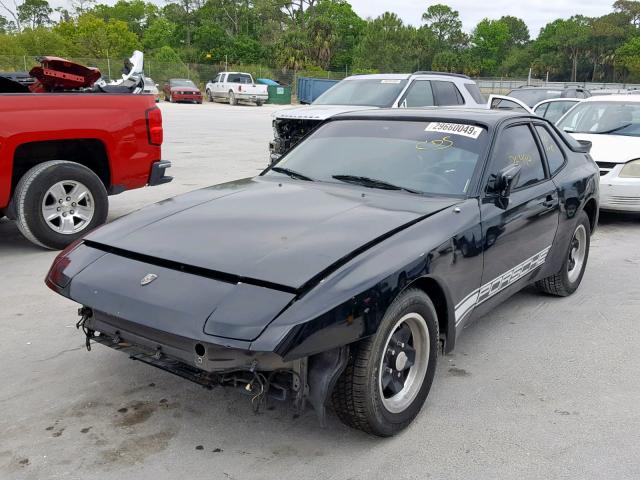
(612, 125)
(552, 108)
(236, 87)
(151, 88)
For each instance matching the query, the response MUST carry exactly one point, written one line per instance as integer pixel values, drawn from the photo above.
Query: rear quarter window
(553, 151)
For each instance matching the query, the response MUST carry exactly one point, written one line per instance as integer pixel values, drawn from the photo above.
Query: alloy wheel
(68, 207)
(404, 362)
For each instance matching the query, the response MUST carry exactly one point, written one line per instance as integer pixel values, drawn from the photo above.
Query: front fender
(349, 304)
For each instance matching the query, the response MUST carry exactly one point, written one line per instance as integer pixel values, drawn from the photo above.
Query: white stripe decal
(495, 286)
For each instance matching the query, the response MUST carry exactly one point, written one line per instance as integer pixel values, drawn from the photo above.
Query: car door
(518, 233)
(446, 93)
(219, 87)
(503, 102)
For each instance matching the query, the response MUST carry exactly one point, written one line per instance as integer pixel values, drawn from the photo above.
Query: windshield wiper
(292, 173)
(604, 132)
(371, 182)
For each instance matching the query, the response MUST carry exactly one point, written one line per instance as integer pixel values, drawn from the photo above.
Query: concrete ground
(542, 388)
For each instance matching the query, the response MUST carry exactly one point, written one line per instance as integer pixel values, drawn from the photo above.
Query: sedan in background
(553, 109)
(181, 90)
(612, 125)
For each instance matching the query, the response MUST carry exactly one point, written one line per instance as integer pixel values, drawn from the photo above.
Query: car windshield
(532, 96)
(419, 157)
(239, 78)
(365, 92)
(604, 117)
(182, 83)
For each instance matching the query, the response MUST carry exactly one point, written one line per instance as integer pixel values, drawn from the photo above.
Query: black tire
(561, 284)
(232, 98)
(357, 396)
(30, 193)
(171, 100)
(259, 103)
(209, 96)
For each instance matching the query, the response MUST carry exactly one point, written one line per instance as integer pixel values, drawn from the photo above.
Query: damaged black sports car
(336, 276)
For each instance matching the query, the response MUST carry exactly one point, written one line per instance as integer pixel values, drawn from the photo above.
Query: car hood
(318, 112)
(282, 231)
(611, 148)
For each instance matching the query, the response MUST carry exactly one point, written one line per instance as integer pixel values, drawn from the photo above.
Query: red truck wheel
(58, 202)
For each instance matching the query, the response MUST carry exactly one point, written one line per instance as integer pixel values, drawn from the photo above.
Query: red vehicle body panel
(118, 121)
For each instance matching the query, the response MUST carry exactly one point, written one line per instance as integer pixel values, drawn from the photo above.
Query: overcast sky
(536, 13)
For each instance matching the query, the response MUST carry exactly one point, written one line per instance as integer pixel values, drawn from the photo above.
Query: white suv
(364, 92)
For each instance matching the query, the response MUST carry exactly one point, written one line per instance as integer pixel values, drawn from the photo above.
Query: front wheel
(259, 103)
(58, 202)
(209, 96)
(388, 376)
(568, 279)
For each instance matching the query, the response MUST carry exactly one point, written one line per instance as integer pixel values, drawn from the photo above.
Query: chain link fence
(160, 72)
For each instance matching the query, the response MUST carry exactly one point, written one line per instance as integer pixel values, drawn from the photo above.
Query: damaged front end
(262, 376)
(287, 133)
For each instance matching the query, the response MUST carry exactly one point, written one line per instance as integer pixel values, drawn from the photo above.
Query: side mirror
(502, 183)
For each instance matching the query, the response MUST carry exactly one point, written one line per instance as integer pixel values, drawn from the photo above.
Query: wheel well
(437, 295)
(591, 209)
(88, 152)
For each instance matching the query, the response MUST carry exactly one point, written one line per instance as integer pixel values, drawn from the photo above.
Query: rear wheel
(57, 202)
(388, 376)
(259, 103)
(568, 279)
(232, 98)
(171, 100)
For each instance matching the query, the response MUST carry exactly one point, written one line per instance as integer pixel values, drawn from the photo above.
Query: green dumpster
(279, 95)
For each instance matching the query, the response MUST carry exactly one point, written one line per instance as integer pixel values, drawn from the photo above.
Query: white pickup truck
(236, 87)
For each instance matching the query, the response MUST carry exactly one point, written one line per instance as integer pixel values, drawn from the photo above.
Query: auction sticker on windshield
(471, 131)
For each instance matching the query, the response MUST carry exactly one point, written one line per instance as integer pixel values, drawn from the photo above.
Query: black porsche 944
(337, 275)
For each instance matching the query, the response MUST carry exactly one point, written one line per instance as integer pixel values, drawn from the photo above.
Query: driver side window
(516, 145)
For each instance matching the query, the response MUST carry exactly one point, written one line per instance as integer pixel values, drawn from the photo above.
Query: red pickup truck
(62, 154)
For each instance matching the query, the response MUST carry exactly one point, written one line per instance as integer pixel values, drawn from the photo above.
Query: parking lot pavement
(540, 388)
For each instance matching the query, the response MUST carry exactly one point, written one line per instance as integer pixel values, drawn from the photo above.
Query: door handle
(549, 201)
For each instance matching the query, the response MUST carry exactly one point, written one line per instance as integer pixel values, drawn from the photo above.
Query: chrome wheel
(404, 363)
(68, 207)
(577, 253)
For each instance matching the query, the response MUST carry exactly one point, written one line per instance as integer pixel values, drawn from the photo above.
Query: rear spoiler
(584, 146)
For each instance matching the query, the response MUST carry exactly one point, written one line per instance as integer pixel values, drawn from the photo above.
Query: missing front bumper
(260, 375)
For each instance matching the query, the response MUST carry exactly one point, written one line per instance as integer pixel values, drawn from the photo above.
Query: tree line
(327, 35)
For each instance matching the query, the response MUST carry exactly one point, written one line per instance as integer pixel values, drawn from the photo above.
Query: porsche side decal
(498, 284)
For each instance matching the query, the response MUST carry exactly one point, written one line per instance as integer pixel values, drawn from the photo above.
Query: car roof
(614, 98)
(380, 76)
(456, 115)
